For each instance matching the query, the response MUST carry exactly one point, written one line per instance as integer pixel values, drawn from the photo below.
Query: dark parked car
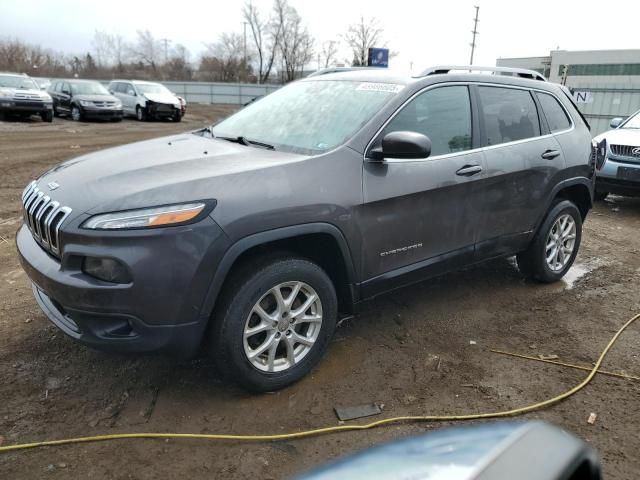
(257, 231)
(84, 100)
(21, 97)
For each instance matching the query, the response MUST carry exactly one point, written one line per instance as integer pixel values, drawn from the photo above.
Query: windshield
(151, 88)
(309, 116)
(633, 122)
(13, 81)
(88, 88)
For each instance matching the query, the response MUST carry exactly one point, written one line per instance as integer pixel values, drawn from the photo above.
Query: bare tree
(224, 60)
(266, 38)
(296, 44)
(361, 37)
(109, 49)
(328, 52)
(147, 49)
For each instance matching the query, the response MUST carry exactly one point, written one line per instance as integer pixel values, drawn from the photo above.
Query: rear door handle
(550, 154)
(469, 170)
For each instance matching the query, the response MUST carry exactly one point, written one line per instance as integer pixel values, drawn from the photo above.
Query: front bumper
(10, 105)
(102, 113)
(159, 310)
(162, 110)
(619, 175)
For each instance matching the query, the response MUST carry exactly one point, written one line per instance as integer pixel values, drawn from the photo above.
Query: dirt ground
(412, 350)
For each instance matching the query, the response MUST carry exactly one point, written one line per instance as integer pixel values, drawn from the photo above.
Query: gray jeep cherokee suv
(256, 233)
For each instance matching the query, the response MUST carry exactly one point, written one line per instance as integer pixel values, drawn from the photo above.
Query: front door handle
(469, 170)
(550, 154)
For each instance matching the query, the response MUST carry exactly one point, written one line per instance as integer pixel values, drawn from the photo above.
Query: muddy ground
(412, 350)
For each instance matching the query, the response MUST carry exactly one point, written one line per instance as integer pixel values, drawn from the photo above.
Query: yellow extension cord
(338, 428)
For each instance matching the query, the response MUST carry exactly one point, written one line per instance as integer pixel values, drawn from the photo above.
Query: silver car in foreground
(146, 100)
(620, 171)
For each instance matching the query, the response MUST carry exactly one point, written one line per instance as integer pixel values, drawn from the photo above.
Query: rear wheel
(274, 321)
(555, 245)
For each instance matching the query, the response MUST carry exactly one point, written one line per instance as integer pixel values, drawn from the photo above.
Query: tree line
(277, 47)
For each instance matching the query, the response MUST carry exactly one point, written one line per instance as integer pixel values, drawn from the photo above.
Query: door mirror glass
(403, 144)
(615, 123)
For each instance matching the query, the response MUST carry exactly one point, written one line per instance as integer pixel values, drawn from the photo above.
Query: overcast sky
(423, 32)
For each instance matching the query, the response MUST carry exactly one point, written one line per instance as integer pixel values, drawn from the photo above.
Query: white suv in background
(620, 172)
(146, 100)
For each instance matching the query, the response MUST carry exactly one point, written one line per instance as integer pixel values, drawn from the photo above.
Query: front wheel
(274, 322)
(141, 114)
(599, 196)
(47, 116)
(555, 245)
(76, 113)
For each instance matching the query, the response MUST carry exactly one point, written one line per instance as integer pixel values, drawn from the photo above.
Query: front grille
(29, 103)
(102, 104)
(626, 150)
(26, 96)
(44, 217)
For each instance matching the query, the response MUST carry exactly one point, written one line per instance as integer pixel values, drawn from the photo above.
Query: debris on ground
(592, 418)
(359, 411)
(472, 342)
(548, 357)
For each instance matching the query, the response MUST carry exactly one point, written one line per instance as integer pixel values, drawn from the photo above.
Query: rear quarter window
(556, 116)
(508, 114)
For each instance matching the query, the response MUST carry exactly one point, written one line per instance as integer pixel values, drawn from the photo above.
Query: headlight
(4, 94)
(86, 103)
(146, 217)
(46, 98)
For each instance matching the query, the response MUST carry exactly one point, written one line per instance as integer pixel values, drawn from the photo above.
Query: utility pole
(475, 32)
(244, 44)
(166, 42)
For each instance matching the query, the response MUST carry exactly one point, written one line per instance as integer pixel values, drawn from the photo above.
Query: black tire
(532, 262)
(242, 292)
(599, 196)
(141, 114)
(116, 119)
(55, 112)
(76, 113)
(177, 116)
(47, 116)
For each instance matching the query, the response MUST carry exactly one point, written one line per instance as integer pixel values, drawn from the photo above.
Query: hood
(162, 98)
(621, 136)
(97, 98)
(174, 169)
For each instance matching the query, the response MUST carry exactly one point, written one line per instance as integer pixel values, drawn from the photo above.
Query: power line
(475, 32)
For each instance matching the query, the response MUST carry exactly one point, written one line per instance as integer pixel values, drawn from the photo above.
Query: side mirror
(131, 92)
(402, 144)
(615, 123)
(66, 92)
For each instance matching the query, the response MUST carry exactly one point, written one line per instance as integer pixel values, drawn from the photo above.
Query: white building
(605, 83)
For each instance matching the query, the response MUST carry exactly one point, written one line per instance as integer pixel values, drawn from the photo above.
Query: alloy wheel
(282, 327)
(75, 114)
(560, 242)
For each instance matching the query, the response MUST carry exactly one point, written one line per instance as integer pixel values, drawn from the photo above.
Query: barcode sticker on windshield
(380, 87)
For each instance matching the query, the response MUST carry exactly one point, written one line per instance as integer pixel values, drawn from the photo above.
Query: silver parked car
(620, 171)
(146, 100)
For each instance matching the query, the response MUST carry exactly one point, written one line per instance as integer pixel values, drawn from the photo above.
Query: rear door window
(508, 115)
(443, 114)
(554, 113)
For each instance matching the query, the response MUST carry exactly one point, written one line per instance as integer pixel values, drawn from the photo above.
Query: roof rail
(515, 72)
(325, 71)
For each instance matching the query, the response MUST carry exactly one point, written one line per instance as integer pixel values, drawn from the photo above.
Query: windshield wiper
(245, 141)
